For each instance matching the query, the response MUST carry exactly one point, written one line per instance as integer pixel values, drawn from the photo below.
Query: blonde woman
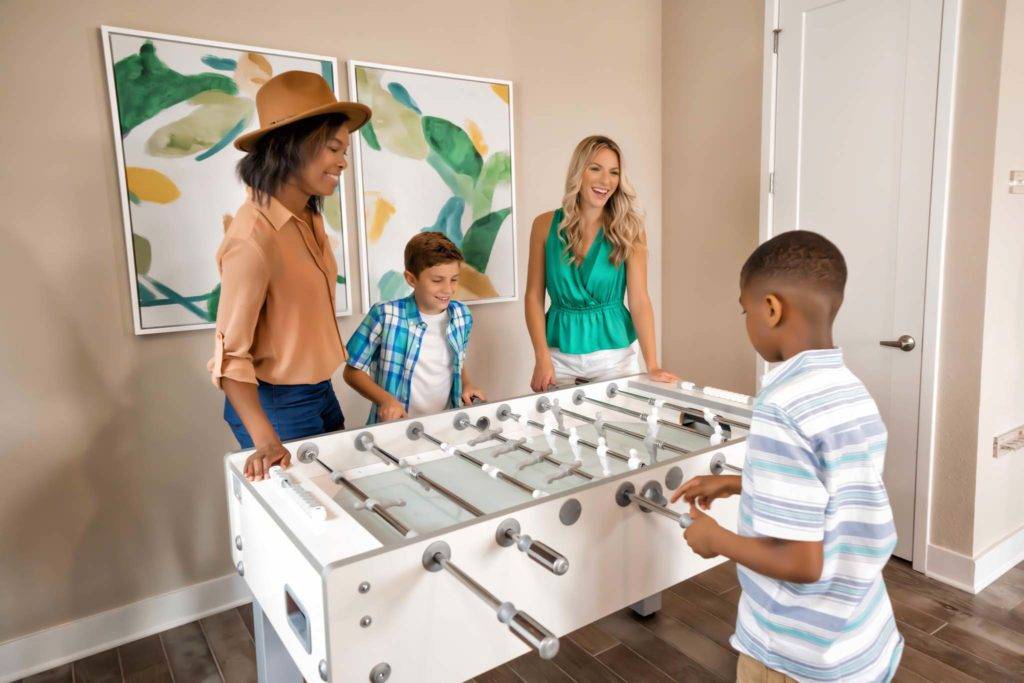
(589, 256)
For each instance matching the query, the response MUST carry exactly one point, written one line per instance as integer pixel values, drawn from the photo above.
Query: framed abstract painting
(436, 156)
(177, 105)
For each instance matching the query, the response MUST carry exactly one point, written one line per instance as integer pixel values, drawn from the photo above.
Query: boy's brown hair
(429, 249)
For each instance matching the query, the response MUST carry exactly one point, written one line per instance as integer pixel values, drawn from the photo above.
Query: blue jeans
(295, 411)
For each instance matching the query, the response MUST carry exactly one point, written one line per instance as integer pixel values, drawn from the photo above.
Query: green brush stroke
(327, 71)
(134, 198)
(370, 135)
(479, 240)
(176, 298)
(146, 86)
(453, 145)
(403, 97)
(143, 254)
(213, 302)
(341, 279)
(460, 185)
(497, 170)
(226, 140)
(219, 63)
(449, 220)
(392, 286)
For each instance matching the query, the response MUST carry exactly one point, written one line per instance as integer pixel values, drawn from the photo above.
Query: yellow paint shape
(500, 90)
(474, 285)
(151, 186)
(477, 136)
(382, 212)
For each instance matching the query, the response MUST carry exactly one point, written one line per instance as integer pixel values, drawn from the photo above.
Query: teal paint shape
(219, 63)
(226, 140)
(449, 221)
(327, 71)
(393, 286)
(370, 135)
(403, 97)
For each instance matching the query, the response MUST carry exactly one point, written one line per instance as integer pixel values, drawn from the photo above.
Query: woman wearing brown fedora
(277, 339)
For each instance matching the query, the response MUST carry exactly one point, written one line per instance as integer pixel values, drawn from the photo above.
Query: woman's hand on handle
(257, 465)
(543, 375)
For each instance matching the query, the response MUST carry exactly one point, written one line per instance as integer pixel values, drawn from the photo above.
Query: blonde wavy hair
(624, 224)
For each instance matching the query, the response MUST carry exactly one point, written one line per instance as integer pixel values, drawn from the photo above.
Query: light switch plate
(1008, 442)
(1016, 182)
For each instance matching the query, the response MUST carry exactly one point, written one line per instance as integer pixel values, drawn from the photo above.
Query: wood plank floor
(950, 635)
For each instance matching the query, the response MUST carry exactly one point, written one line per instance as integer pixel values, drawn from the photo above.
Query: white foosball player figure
(602, 455)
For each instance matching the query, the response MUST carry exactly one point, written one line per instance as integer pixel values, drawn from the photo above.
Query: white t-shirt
(432, 377)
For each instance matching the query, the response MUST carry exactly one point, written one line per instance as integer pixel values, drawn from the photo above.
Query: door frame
(936, 255)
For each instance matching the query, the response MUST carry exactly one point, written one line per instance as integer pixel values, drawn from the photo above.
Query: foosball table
(437, 548)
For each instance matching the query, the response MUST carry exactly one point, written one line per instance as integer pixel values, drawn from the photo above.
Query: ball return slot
(438, 556)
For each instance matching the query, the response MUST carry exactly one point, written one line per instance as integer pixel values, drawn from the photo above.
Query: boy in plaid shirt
(408, 355)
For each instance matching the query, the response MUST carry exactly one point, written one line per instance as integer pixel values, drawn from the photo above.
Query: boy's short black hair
(281, 153)
(429, 249)
(799, 256)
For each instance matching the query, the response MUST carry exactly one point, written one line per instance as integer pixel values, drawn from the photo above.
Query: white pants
(594, 366)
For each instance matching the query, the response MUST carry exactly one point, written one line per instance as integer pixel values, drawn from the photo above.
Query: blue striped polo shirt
(813, 472)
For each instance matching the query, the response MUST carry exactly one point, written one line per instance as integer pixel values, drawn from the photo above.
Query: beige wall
(112, 443)
(711, 113)
(967, 247)
(999, 509)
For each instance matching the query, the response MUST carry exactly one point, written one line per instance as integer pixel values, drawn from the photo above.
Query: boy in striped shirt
(815, 526)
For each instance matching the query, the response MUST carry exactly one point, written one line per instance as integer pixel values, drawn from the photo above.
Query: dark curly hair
(429, 249)
(798, 256)
(283, 152)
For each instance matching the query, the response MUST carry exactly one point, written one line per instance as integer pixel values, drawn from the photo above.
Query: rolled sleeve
(362, 347)
(788, 496)
(243, 291)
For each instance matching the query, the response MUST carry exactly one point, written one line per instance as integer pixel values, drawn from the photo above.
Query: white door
(855, 106)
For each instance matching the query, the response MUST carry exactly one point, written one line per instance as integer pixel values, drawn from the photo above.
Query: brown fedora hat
(295, 95)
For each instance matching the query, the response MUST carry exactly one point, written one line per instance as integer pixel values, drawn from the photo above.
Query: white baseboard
(950, 567)
(974, 574)
(68, 642)
(999, 559)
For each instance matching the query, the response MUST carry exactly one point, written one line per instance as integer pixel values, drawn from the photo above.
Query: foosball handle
(528, 630)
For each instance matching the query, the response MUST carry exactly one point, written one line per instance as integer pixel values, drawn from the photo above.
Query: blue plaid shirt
(387, 345)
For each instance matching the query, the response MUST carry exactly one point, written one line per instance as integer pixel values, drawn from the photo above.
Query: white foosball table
(437, 548)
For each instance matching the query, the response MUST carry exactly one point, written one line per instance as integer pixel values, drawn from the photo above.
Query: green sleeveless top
(587, 311)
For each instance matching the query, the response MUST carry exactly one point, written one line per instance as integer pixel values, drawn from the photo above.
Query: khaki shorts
(749, 670)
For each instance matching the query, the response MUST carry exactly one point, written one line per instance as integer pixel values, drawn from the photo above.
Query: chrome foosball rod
(544, 404)
(653, 421)
(650, 499)
(505, 413)
(612, 390)
(310, 452)
(601, 447)
(364, 442)
(437, 557)
(719, 465)
(695, 412)
(415, 431)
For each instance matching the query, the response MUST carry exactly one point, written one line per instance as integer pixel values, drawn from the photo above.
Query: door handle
(904, 343)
